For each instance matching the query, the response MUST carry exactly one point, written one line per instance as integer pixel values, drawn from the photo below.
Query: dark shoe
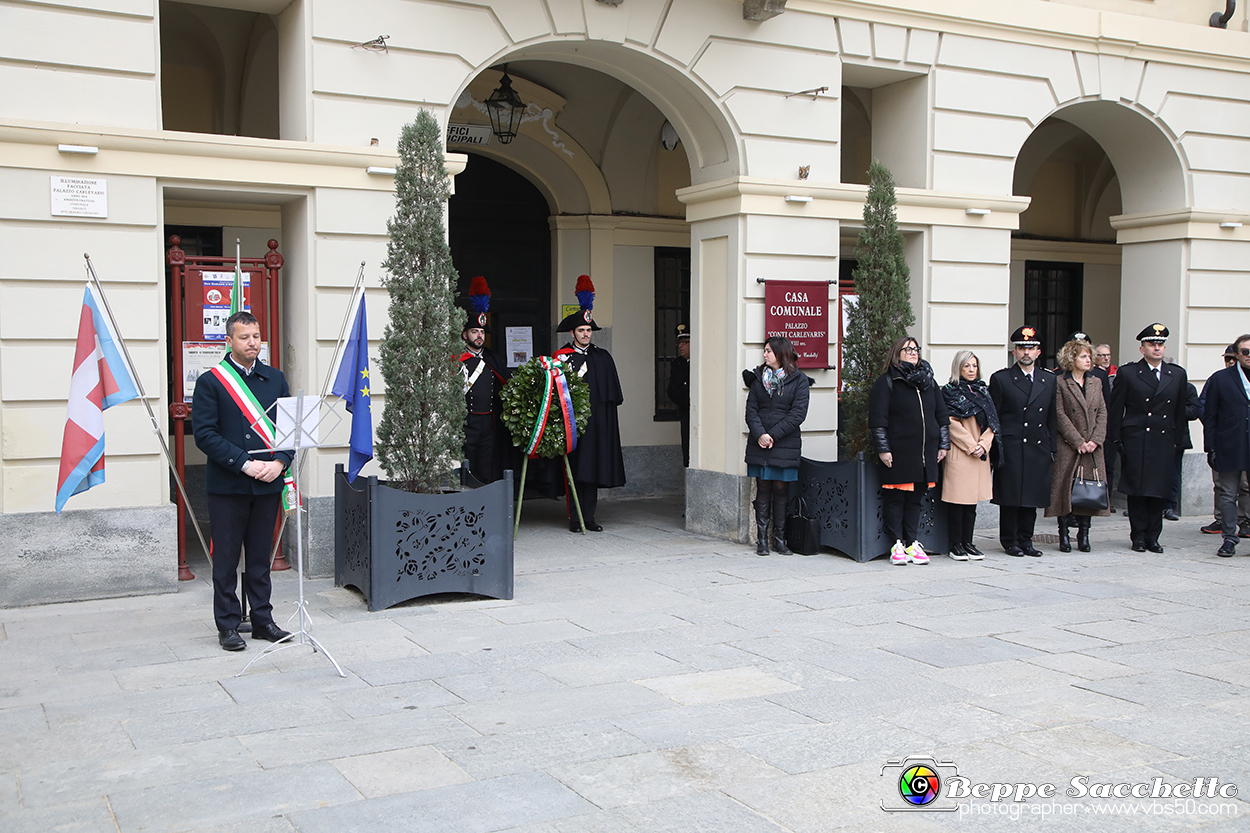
(1014, 551)
(1138, 546)
(779, 525)
(1030, 550)
(1243, 531)
(1125, 513)
(957, 552)
(1170, 515)
(970, 549)
(268, 631)
(1155, 548)
(231, 641)
(1227, 550)
(763, 512)
(593, 526)
(1215, 528)
(1065, 543)
(1082, 533)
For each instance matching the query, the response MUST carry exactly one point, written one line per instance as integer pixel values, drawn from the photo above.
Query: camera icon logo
(918, 784)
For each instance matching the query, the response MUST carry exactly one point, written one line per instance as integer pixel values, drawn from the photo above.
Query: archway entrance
(498, 226)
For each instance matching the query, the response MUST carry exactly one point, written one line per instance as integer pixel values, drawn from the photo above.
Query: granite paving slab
(395, 771)
(717, 686)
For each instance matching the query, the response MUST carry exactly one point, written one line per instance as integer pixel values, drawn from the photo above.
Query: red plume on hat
(585, 292)
(479, 294)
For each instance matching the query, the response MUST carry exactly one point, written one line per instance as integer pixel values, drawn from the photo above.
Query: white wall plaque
(468, 134)
(75, 196)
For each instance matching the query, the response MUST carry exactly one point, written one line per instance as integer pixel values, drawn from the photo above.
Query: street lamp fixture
(505, 108)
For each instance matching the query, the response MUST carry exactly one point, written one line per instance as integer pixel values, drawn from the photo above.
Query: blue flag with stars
(352, 384)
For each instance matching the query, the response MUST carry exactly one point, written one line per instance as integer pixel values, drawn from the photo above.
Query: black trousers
(961, 521)
(1015, 525)
(1145, 519)
(242, 522)
(900, 513)
(588, 498)
(685, 437)
(479, 446)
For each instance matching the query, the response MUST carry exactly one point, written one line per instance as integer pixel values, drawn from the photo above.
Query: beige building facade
(1079, 164)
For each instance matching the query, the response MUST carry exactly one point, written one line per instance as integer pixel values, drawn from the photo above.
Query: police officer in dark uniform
(1024, 395)
(484, 377)
(1146, 422)
(597, 462)
(679, 388)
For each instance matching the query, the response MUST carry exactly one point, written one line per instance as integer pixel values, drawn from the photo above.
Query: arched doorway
(498, 228)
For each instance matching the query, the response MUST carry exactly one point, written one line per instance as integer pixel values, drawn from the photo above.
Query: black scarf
(918, 375)
(965, 399)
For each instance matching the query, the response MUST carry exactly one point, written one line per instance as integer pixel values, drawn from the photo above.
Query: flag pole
(357, 288)
(160, 434)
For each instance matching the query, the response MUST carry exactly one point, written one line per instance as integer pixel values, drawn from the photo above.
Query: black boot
(763, 510)
(1065, 543)
(1082, 533)
(779, 524)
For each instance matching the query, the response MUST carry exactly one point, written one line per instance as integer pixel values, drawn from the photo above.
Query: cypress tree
(422, 428)
(883, 310)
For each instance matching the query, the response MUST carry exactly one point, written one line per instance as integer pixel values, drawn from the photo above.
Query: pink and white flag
(101, 379)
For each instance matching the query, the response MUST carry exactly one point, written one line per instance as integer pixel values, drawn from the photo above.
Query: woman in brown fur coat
(1082, 420)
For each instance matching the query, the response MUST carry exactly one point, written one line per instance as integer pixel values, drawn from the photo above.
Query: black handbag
(802, 532)
(1089, 497)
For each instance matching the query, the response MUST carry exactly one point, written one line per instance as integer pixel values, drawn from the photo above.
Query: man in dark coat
(484, 378)
(597, 461)
(1024, 396)
(1226, 437)
(243, 479)
(1146, 423)
(679, 388)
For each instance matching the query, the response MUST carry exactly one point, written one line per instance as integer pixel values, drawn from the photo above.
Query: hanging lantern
(505, 108)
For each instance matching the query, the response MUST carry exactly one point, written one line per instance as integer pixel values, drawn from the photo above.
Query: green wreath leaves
(522, 397)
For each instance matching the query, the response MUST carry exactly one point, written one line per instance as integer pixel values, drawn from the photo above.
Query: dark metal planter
(846, 498)
(393, 546)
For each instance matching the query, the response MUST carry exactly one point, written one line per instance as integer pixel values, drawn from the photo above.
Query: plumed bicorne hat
(585, 291)
(479, 300)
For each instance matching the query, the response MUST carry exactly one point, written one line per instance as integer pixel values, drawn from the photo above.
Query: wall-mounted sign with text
(76, 196)
(799, 311)
(468, 134)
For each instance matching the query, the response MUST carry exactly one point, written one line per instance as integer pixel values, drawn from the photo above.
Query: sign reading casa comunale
(799, 311)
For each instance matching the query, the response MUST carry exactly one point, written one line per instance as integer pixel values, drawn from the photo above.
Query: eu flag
(352, 384)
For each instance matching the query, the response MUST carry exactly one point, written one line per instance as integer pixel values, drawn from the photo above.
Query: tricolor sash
(255, 415)
(556, 389)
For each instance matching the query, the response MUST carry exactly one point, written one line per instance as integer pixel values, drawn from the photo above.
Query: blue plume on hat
(585, 292)
(479, 294)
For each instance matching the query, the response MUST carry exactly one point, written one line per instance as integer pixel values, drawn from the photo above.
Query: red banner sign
(799, 311)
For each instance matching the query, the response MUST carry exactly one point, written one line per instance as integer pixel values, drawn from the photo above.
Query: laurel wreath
(522, 397)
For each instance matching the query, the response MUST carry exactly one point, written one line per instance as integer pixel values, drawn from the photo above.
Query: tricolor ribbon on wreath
(557, 389)
(256, 416)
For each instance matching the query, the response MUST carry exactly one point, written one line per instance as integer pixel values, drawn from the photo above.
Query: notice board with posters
(799, 311)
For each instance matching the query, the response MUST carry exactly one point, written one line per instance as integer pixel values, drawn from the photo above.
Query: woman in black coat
(777, 395)
(910, 429)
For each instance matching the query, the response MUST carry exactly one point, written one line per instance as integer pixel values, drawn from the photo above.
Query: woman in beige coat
(1082, 419)
(967, 479)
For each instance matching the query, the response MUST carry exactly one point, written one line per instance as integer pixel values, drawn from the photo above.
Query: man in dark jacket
(244, 479)
(1146, 423)
(1226, 436)
(679, 388)
(484, 378)
(597, 462)
(1024, 396)
(1243, 493)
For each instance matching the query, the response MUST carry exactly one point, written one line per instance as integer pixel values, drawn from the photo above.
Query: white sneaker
(898, 555)
(917, 554)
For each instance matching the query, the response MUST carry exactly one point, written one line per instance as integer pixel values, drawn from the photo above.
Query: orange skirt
(903, 487)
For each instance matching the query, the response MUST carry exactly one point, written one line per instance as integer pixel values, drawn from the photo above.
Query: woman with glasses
(777, 395)
(968, 479)
(1081, 415)
(910, 431)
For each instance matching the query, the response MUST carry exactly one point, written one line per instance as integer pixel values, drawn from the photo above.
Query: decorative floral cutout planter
(846, 498)
(393, 546)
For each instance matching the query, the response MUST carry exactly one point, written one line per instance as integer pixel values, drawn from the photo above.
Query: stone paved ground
(646, 679)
